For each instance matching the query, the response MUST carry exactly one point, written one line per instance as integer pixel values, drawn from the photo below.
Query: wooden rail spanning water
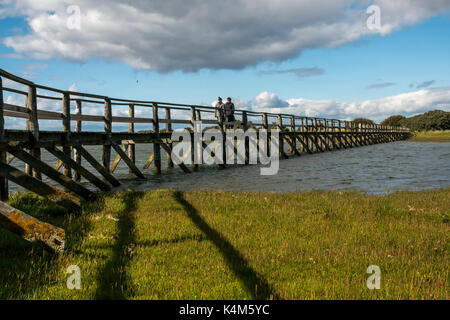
(301, 134)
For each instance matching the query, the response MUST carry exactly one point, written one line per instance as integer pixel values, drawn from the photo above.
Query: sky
(339, 59)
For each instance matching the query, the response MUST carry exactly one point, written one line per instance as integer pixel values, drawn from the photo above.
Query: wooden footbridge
(300, 134)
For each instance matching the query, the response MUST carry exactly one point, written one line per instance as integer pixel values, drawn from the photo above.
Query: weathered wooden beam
(128, 161)
(97, 166)
(31, 229)
(117, 160)
(181, 164)
(37, 186)
(44, 168)
(84, 172)
(149, 160)
(58, 165)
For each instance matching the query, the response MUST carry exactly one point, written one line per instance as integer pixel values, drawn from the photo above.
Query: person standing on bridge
(228, 107)
(219, 110)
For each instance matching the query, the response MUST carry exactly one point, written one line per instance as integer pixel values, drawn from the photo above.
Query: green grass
(222, 245)
(431, 136)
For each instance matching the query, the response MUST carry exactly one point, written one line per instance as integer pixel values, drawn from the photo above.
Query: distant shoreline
(431, 136)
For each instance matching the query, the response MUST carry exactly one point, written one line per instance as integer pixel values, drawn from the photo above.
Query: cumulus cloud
(269, 100)
(409, 103)
(184, 35)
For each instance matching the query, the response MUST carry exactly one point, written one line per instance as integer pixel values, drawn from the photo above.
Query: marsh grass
(167, 244)
(431, 136)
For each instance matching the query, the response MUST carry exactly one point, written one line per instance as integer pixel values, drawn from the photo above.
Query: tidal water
(380, 168)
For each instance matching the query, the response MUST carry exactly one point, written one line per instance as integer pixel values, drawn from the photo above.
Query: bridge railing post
(199, 147)
(265, 126)
(193, 118)
(156, 145)
(106, 157)
(169, 129)
(280, 136)
(33, 128)
(131, 145)
(78, 128)
(246, 141)
(66, 130)
(3, 181)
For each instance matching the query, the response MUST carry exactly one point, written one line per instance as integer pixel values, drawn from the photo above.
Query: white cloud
(190, 35)
(377, 109)
(269, 100)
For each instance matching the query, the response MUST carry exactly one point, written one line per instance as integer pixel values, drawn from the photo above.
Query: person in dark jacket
(228, 108)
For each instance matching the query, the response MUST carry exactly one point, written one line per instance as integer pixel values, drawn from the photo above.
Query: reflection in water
(375, 169)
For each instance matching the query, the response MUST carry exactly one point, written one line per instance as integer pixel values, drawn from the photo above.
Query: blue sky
(371, 67)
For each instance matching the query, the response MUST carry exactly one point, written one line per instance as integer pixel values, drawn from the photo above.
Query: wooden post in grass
(3, 181)
(76, 153)
(33, 128)
(31, 229)
(156, 145)
(131, 145)
(66, 130)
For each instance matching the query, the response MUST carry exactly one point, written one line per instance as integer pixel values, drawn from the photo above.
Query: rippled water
(375, 169)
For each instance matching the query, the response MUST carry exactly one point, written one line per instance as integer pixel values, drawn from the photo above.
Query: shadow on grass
(24, 268)
(258, 287)
(114, 282)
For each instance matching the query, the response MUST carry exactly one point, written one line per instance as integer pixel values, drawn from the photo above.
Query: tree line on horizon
(431, 120)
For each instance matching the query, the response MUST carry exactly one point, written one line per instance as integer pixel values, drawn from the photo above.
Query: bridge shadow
(113, 279)
(257, 286)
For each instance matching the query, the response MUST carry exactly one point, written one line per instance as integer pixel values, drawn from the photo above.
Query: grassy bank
(431, 136)
(222, 245)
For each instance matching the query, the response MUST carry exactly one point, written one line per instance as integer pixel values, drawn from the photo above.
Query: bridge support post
(66, 130)
(246, 141)
(156, 145)
(33, 128)
(169, 144)
(106, 157)
(76, 152)
(3, 180)
(131, 146)
(193, 118)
